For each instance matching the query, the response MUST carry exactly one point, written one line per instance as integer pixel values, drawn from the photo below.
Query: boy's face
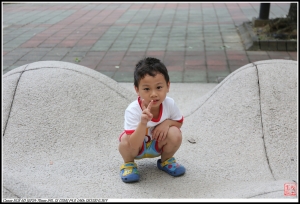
(153, 88)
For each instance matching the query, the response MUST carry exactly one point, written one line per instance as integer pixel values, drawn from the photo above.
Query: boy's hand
(160, 131)
(146, 114)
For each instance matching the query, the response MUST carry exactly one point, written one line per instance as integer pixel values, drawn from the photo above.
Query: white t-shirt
(133, 113)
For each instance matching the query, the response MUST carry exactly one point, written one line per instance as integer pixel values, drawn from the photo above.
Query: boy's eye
(159, 87)
(146, 89)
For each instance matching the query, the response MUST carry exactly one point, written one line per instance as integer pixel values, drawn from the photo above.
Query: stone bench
(61, 123)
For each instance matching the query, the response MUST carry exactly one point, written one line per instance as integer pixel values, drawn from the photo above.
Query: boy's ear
(136, 90)
(168, 85)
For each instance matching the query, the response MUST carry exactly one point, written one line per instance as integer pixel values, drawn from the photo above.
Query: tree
(292, 15)
(283, 28)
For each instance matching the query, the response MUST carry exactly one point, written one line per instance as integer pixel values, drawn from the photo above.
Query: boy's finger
(150, 116)
(154, 135)
(163, 137)
(143, 105)
(147, 112)
(158, 138)
(150, 105)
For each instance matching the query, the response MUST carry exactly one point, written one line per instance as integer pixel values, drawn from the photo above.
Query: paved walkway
(198, 42)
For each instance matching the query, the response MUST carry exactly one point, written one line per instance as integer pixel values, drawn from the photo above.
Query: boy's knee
(125, 145)
(173, 130)
(175, 133)
(124, 142)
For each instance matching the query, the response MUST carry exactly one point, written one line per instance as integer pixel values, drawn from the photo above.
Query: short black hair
(150, 66)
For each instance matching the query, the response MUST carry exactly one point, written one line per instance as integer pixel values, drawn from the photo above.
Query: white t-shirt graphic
(167, 110)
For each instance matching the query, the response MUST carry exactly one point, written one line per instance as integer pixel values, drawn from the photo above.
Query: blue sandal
(129, 172)
(171, 167)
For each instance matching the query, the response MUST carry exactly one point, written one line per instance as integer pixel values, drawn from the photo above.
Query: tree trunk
(292, 15)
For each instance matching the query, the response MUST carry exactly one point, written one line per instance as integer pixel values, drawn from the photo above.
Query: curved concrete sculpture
(61, 124)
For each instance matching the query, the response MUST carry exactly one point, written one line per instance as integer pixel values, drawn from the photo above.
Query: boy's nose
(153, 94)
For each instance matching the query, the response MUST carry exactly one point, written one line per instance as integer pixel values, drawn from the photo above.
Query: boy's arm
(138, 136)
(174, 123)
(160, 131)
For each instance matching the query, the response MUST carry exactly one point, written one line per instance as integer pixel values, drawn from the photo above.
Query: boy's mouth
(155, 101)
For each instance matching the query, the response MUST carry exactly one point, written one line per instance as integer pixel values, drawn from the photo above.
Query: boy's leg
(128, 171)
(126, 151)
(171, 144)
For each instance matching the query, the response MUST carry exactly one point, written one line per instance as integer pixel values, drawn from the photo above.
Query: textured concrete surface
(278, 96)
(61, 123)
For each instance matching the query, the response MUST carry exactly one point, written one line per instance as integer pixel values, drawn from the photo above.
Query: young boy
(152, 122)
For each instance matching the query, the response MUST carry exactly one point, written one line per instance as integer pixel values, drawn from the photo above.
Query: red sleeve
(129, 132)
(181, 120)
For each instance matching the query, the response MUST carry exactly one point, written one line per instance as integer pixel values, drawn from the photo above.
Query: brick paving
(198, 42)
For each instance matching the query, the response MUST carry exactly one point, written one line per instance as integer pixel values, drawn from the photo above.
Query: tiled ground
(198, 42)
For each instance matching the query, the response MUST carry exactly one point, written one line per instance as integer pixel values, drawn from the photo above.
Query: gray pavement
(198, 42)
